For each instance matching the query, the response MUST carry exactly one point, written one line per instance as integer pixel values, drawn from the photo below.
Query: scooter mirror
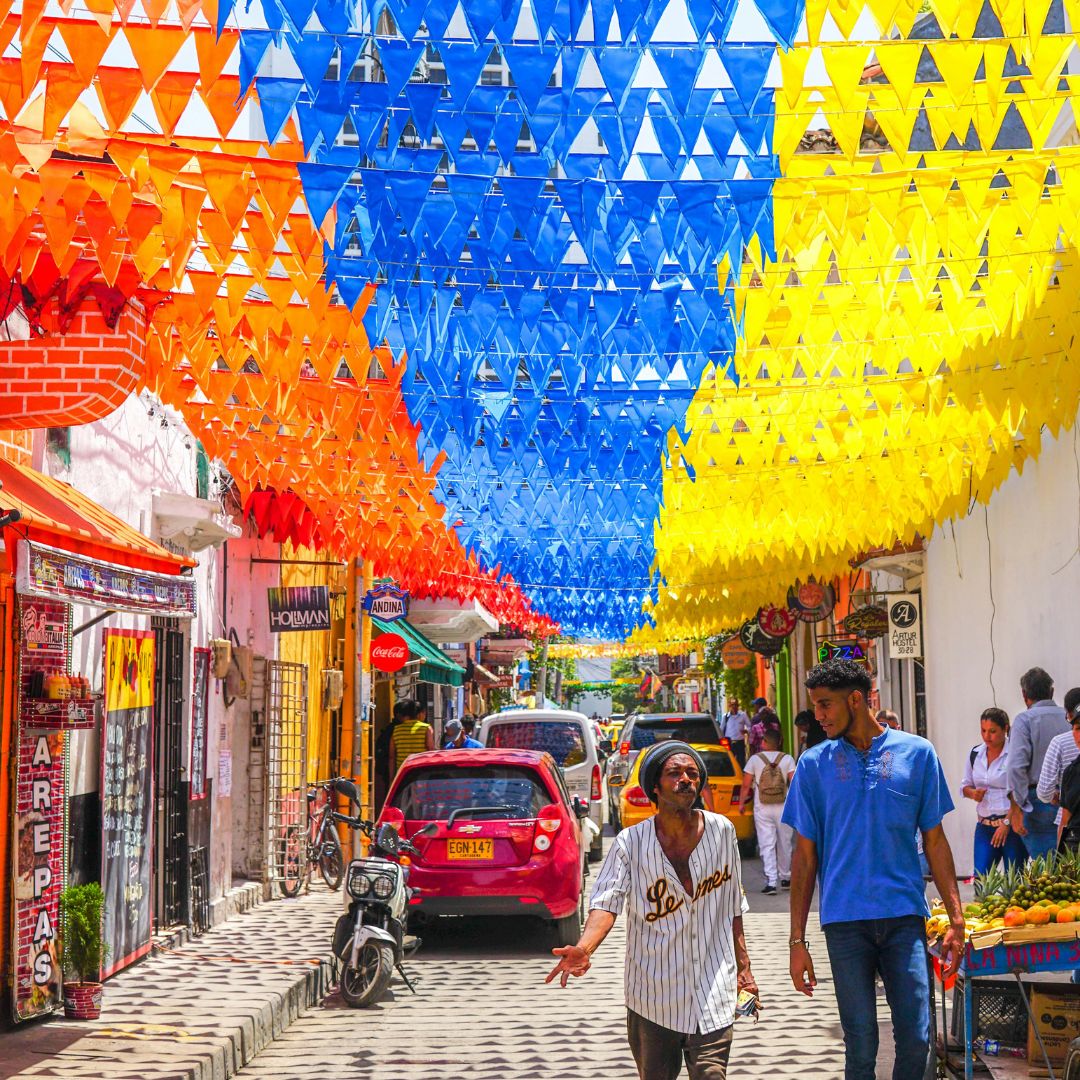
(387, 838)
(430, 829)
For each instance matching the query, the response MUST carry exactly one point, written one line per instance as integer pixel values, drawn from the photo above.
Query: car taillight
(636, 796)
(597, 795)
(736, 796)
(548, 823)
(624, 748)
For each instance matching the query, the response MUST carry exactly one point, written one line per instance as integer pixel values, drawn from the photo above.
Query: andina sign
(305, 607)
(386, 602)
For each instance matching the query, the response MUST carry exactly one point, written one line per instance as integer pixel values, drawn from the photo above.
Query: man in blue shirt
(856, 802)
(456, 739)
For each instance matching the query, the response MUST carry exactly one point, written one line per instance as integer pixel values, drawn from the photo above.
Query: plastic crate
(998, 1011)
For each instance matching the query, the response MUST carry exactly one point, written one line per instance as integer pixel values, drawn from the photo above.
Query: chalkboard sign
(127, 795)
(199, 690)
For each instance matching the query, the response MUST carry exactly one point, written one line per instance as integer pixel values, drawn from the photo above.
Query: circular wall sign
(777, 621)
(735, 654)
(389, 652)
(753, 637)
(811, 601)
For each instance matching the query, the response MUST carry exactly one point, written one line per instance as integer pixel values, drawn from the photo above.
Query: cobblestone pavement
(482, 1012)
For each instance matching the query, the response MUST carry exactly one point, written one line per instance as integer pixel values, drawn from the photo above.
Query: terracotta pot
(82, 1000)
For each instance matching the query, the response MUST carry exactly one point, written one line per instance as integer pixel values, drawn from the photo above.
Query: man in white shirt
(769, 773)
(679, 877)
(736, 725)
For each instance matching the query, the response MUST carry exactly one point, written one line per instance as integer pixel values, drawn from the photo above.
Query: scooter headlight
(359, 883)
(384, 887)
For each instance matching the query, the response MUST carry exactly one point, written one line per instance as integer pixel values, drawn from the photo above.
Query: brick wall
(56, 380)
(17, 446)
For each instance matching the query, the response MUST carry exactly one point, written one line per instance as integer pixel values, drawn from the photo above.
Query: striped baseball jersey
(680, 955)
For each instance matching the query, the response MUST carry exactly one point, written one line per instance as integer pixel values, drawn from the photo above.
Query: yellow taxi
(725, 786)
(611, 730)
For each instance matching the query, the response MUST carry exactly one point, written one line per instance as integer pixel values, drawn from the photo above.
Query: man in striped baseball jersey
(679, 877)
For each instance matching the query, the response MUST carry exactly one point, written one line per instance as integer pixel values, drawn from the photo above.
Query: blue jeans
(895, 949)
(1012, 851)
(1039, 822)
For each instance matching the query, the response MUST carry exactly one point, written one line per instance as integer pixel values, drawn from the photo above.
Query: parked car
(643, 729)
(497, 832)
(725, 786)
(569, 738)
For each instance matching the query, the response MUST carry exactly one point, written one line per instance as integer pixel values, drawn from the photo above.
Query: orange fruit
(1066, 916)
(1016, 917)
(1037, 916)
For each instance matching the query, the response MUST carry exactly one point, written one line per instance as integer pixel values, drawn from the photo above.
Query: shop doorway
(170, 805)
(286, 768)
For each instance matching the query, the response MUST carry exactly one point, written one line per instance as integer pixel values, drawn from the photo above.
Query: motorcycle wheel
(364, 984)
(294, 858)
(331, 861)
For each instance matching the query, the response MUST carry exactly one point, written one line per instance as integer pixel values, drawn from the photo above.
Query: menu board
(199, 734)
(127, 795)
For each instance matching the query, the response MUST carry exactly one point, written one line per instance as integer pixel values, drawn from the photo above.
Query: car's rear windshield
(694, 729)
(434, 793)
(562, 739)
(718, 764)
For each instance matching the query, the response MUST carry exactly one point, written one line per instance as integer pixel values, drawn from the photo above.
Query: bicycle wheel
(293, 851)
(331, 860)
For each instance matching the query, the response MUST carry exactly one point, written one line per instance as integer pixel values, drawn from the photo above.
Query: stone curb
(201, 1011)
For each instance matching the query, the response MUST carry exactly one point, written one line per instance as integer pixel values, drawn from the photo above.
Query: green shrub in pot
(83, 948)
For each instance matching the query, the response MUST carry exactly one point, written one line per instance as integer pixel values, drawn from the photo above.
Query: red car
(497, 834)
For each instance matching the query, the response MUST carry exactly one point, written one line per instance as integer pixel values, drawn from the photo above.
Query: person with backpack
(986, 781)
(769, 772)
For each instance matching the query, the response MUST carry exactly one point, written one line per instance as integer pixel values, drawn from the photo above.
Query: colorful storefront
(76, 752)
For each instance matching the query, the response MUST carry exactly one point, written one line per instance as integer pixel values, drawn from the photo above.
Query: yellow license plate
(470, 849)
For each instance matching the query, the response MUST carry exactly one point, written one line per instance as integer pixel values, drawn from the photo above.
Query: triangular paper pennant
(532, 69)
(747, 66)
(398, 59)
(276, 98)
(619, 66)
(154, 49)
(680, 68)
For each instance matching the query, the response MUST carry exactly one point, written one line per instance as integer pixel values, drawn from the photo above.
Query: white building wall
(1000, 596)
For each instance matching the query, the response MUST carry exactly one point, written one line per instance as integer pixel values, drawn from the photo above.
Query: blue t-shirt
(862, 810)
(468, 744)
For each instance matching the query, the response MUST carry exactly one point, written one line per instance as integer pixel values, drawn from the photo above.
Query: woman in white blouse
(986, 781)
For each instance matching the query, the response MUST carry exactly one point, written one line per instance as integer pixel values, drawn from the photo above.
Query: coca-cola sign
(389, 652)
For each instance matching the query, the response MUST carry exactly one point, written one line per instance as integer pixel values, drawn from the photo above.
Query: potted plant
(83, 949)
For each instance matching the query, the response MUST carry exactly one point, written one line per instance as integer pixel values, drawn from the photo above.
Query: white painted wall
(1000, 596)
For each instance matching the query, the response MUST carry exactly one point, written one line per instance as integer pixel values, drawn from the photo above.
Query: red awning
(54, 513)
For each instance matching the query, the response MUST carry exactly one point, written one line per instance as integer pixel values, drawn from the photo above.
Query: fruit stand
(1025, 923)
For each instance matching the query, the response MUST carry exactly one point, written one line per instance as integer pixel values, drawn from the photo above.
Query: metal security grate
(286, 757)
(200, 890)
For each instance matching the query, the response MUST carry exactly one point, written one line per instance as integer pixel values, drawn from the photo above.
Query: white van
(568, 737)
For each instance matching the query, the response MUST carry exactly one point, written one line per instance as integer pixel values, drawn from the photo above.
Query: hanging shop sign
(39, 829)
(841, 650)
(905, 626)
(61, 575)
(389, 652)
(386, 602)
(755, 639)
(869, 621)
(127, 795)
(778, 622)
(811, 601)
(302, 607)
(735, 655)
(199, 736)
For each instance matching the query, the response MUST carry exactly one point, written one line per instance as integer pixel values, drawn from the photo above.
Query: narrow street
(482, 1012)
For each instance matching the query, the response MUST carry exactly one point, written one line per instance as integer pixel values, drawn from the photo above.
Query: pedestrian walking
(413, 733)
(764, 720)
(1033, 818)
(736, 725)
(679, 878)
(887, 718)
(1060, 754)
(855, 804)
(812, 732)
(986, 782)
(768, 774)
(454, 737)
(1070, 796)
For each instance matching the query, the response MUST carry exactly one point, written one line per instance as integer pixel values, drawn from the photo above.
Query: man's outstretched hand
(574, 960)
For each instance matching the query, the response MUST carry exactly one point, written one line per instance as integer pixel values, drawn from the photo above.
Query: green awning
(435, 665)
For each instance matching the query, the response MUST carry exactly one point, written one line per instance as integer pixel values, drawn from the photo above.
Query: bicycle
(321, 846)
